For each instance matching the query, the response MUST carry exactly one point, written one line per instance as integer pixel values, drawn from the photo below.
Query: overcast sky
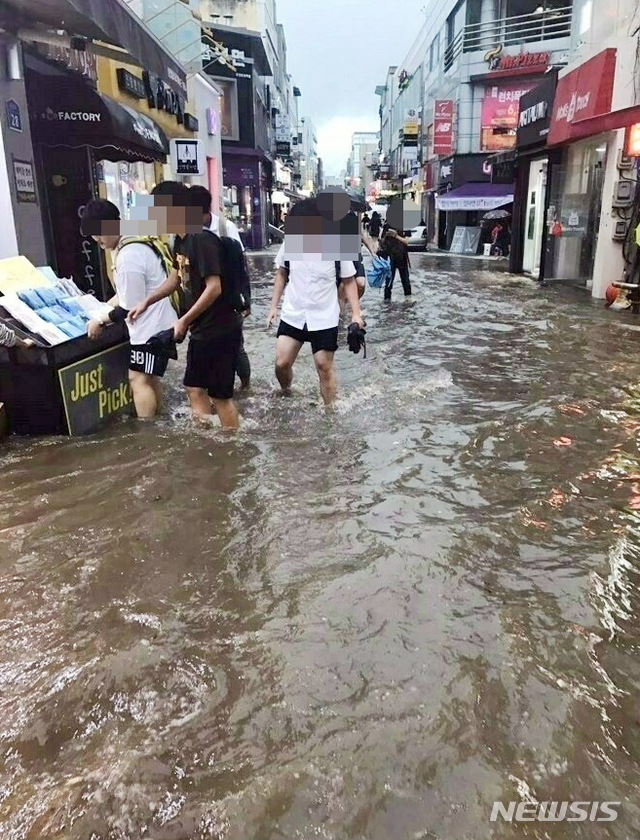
(337, 52)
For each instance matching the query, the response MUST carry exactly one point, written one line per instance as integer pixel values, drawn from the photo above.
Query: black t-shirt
(202, 252)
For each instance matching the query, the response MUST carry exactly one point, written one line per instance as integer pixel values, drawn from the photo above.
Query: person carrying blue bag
(380, 272)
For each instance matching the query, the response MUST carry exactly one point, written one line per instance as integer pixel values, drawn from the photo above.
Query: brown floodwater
(365, 625)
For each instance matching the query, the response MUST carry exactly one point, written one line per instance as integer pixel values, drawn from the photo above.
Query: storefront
(207, 100)
(161, 104)
(56, 130)
(576, 183)
(245, 132)
(85, 144)
(532, 168)
(464, 209)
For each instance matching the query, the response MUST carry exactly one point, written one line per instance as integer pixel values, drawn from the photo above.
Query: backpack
(161, 250)
(287, 268)
(236, 283)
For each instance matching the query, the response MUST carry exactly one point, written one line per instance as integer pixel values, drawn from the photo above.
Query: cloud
(334, 140)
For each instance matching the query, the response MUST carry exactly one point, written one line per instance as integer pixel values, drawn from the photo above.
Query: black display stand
(72, 388)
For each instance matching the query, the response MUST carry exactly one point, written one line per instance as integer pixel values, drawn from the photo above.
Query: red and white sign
(583, 93)
(443, 127)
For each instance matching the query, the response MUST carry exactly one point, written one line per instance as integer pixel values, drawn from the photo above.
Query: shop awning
(612, 121)
(66, 111)
(103, 20)
(476, 196)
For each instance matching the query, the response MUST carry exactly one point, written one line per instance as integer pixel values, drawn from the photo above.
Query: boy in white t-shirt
(311, 308)
(138, 271)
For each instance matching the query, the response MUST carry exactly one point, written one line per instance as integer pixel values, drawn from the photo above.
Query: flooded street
(364, 625)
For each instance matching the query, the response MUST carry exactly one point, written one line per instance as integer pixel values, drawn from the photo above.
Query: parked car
(418, 239)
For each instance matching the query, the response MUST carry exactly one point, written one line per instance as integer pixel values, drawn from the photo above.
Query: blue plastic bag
(379, 272)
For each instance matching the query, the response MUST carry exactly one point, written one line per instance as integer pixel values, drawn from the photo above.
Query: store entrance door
(534, 219)
(68, 184)
(573, 218)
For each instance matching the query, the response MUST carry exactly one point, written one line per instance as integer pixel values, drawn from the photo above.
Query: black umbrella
(358, 201)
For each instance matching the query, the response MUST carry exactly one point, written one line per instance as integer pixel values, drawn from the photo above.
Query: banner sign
(461, 202)
(443, 127)
(500, 116)
(96, 389)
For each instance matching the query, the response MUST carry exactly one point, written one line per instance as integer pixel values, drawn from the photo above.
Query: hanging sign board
(187, 157)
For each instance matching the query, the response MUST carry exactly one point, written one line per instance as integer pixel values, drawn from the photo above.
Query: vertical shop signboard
(25, 181)
(96, 389)
(443, 127)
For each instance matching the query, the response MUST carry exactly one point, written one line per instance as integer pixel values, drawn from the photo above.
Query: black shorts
(319, 339)
(143, 360)
(211, 364)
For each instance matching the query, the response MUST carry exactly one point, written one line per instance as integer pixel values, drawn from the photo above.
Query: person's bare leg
(362, 285)
(156, 384)
(200, 402)
(287, 350)
(324, 365)
(144, 395)
(227, 412)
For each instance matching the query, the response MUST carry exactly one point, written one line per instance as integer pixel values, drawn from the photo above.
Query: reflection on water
(366, 624)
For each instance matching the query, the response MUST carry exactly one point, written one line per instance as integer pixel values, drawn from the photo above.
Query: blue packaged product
(78, 323)
(50, 315)
(72, 306)
(60, 311)
(49, 296)
(67, 329)
(31, 298)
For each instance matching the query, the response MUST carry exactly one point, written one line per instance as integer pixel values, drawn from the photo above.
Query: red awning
(605, 122)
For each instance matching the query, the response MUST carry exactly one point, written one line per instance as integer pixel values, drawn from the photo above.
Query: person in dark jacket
(375, 225)
(394, 245)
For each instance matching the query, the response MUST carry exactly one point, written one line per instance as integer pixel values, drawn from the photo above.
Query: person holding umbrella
(500, 233)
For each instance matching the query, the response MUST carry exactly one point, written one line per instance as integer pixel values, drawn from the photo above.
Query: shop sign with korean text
(443, 127)
(96, 389)
(500, 114)
(584, 93)
(25, 181)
